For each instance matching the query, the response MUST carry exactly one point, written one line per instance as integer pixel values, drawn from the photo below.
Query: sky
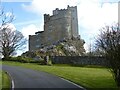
(92, 15)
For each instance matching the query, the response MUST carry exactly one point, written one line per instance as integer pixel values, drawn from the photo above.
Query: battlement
(57, 10)
(46, 18)
(71, 6)
(58, 13)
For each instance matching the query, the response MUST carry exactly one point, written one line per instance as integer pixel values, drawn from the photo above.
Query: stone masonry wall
(80, 60)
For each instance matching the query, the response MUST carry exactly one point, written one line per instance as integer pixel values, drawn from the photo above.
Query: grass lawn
(86, 77)
(4, 80)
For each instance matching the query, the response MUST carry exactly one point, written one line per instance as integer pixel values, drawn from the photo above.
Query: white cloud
(29, 30)
(92, 17)
(46, 6)
(27, 22)
(92, 14)
(9, 26)
(16, 0)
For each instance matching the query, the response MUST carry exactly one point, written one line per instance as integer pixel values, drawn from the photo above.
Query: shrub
(49, 62)
(42, 62)
(28, 60)
(19, 59)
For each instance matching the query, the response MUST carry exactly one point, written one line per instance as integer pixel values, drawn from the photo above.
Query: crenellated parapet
(46, 18)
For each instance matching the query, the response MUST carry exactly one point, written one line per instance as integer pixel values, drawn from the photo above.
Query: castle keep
(63, 24)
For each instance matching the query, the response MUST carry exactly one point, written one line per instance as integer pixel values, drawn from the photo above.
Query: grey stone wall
(80, 60)
(62, 24)
(36, 41)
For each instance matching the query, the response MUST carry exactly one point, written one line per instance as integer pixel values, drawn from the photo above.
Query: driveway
(27, 78)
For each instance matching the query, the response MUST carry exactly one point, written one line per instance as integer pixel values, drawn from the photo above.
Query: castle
(63, 24)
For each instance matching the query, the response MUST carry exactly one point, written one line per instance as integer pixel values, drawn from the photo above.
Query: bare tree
(109, 43)
(10, 40)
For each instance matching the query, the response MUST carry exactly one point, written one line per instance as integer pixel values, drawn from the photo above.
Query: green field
(86, 77)
(4, 80)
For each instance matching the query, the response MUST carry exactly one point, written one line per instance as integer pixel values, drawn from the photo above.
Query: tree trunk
(6, 55)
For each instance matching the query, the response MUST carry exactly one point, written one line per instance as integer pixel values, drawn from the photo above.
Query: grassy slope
(4, 80)
(87, 77)
(0, 79)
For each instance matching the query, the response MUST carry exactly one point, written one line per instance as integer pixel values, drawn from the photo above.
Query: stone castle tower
(63, 24)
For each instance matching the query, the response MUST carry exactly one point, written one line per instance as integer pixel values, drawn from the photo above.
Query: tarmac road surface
(27, 78)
